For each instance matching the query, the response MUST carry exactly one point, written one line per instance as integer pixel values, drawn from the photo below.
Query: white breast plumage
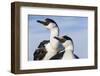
(50, 52)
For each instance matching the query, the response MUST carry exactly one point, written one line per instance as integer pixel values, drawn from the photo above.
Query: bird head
(60, 39)
(48, 23)
(65, 40)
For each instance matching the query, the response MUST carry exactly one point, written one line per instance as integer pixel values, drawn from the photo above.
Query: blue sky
(73, 26)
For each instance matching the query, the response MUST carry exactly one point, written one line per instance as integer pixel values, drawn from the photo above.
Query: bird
(68, 52)
(57, 47)
(52, 46)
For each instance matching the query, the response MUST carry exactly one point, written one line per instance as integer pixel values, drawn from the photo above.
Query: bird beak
(62, 40)
(42, 22)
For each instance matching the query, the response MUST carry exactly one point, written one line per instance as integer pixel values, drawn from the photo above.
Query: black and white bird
(68, 52)
(55, 48)
(52, 46)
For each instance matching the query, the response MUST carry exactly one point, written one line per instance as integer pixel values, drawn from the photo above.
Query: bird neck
(54, 32)
(68, 50)
(54, 42)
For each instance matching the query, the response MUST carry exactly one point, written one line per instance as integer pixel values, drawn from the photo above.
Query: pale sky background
(73, 26)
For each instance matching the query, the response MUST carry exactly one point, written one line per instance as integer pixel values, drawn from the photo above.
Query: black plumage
(43, 43)
(40, 53)
(76, 56)
(59, 55)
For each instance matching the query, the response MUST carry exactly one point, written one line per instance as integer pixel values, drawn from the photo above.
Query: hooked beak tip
(38, 21)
